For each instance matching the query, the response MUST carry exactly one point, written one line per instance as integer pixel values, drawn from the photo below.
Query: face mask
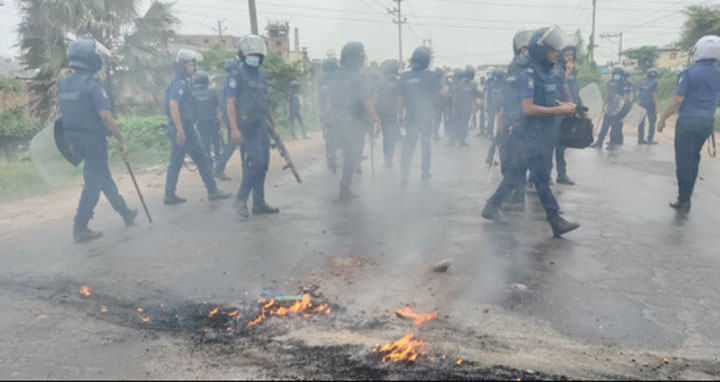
(253, 61)
(617, 77)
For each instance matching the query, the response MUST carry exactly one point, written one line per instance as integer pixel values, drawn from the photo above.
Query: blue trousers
(652, 119)
(210, 137)
(192, 147)
(293, 118)
(96, 177)
(491, 121)
(391, 135)
(690, 136)
(423, 131)
(227, 153)
(257, 162)
(609, 123)
(461, 119)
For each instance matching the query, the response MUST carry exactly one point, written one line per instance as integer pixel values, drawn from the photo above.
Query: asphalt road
(631, 294)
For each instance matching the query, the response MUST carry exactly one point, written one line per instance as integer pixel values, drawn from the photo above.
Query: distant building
(206, 42)
(672, 58)
(278, 38)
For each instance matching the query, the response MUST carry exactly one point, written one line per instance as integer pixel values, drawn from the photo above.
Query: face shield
(557, 39)
(188, 55)
(252, 44)
(707, 48)
(522, 38)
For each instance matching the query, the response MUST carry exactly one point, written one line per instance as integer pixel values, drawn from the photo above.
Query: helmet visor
(188, 55)
(522, 38)
(556, 38)
(252, 45)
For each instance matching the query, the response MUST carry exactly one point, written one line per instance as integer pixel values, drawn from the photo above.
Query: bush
(11, 85)
(147, 142)
(16, 123)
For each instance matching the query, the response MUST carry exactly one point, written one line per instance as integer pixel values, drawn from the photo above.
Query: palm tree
(133, 75)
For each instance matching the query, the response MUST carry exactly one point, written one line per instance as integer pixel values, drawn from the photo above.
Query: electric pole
(592, 34)
(399, 20)
(619, 36)
(220, 29)
(253, 17)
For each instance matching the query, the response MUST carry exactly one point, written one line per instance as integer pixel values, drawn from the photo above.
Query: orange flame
(140, 310)
(404, 349)
(407, 312)
(103, 309)
(145, 319)
(233, 313)
(303, 307)
(85, 291)
(213, 312)
(229, 329)
(459, 361)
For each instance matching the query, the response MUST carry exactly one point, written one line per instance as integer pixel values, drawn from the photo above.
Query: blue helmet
(352, 56)
(421, 58)
(544, 40)
(201, 80)
(84, 54)
(330, 65)
(390, 67)
(294, 85)
(652, 73)
(231, 64)
(470, 72)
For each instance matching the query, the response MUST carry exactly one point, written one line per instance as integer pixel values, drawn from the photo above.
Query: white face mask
(253, 61)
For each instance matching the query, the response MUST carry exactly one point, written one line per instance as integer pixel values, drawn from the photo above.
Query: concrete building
(207, 42)
(277, 38)
(672, 58)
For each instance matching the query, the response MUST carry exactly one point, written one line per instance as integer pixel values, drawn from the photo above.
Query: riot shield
(47, 158)
(636, 115)
(592, 99)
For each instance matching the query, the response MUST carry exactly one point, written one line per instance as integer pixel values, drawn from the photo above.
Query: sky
(462, 31)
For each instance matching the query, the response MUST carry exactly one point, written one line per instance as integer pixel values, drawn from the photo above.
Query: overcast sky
(462, 31)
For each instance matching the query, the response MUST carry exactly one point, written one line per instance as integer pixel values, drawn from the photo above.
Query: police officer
(440, 108)
(386, 106)
(181, 109)
(230, 65)
(419, 89)
(495, 97)
(351, 101)
(248, 109)
(647, 98)
(332, 144)
(465, 96)
(567, 78)
(696, 100)
(617, 98)
(210, 116)
(293, 109)
(538, 94)
(87, 120)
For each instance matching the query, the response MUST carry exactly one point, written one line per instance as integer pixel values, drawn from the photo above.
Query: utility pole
(220, 29)
(399, 20)
(592, 34)
(619, 36)
(253, 17)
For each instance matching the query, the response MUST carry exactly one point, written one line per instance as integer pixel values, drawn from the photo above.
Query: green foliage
(147, 142)
(588, 74)
(280, 75)
(700, 21)
(214, 60)
(15, 123)
(645, 56)
(20, 180)
(11, 85)
(581, 55)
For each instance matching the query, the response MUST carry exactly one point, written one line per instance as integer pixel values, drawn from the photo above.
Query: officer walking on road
(386, 106)
(464, 100)
(230, 65)
(293, 109)
(181, 109)
(647, 98)
(567, 77)
(617, 98)
(440, 109)
(419, 89)
(248, 109)
(87, 120)
(696, 100)
(538, 94)
(210, 117)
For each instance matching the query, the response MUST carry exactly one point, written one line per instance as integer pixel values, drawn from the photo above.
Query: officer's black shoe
(492, 212)
(612, 146)
(560, 226)
(264, 209)
(651, 143)
(642, 142)
(681, 206)
(346, 195)
(596, 145)
(129, 217)
(564, 179)
(530, 188)
(218, 194)
(83, 234)
(221, 175)
(464, 144)
(241, 208)
(173, 199)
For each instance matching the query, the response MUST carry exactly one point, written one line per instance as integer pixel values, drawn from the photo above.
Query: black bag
(576, 131)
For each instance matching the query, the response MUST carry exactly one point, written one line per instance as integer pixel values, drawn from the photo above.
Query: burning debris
(103, 309)
(406, 349)
(303, 307)
(407, 312)
(85, 291)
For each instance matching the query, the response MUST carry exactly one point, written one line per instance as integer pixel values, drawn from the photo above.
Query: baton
(142, 200)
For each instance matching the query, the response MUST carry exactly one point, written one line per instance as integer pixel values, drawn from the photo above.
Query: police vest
(465, 94)
(545, 93)
(252, 101)
(645, 93)
(207, 103)
(76, 107)
(387, 97)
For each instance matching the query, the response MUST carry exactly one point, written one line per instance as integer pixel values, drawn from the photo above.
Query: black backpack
(576, 131)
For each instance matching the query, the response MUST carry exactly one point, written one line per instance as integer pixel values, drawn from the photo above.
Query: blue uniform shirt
(543, 88)
(645, 93)
(700, 86)
(180, 91)
(249, 87)
(419, 89)
(81, 98)
(293, 98)
(207, 104)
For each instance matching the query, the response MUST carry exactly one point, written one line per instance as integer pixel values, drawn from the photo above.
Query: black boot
(564, 179)
(221, 175)
(346, 195)
(81, 233)
(264, 209)
(218, 194)
(173, 199)
(560, 226)
(681, 206)
(129, 217)
(492, 212)
(241, 208)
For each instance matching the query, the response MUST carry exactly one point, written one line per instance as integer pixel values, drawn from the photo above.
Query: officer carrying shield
(210, 117)
(181, 109)
(538, 94)
(696, 100)
(419, 89)
(617, 101)
(386, 106)
(248, 109)
(647, 98)
(87, 120)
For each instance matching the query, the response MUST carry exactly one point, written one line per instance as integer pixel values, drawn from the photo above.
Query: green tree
(645, 56)
(700, 21)
(135, 73)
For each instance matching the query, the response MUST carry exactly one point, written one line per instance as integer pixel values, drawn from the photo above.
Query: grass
(20, 180)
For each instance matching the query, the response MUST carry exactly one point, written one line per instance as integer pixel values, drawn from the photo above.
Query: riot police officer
(332, 144)
(465, 96)
(647, 98)
(696, 100)
(230, 65)
(440, 108)
(538, 94)
(181, 109)
(495, 97)
(617, 100)
(567, 78)
(293, 109)
(87, 120)
(248, 109)
(419, 89)
(351, 102)
(386, 106)
(210, 117)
